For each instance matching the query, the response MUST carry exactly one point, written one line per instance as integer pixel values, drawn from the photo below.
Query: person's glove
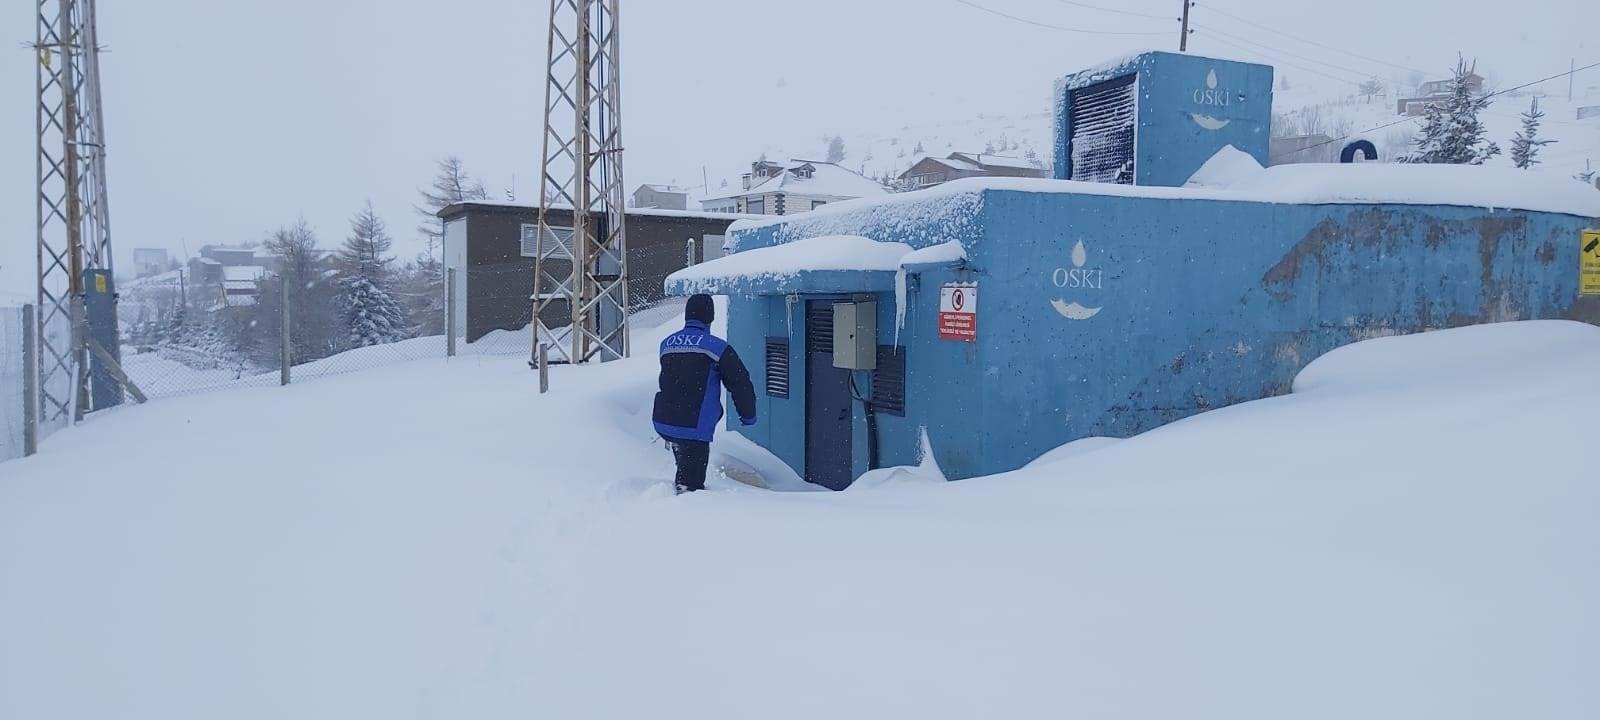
(747, 421)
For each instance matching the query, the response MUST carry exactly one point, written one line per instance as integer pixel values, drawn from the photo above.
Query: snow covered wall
(1108, 310)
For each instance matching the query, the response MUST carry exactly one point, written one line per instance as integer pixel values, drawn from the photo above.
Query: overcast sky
(227, 119)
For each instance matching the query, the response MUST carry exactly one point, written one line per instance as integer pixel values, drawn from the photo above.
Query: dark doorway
(829, 410)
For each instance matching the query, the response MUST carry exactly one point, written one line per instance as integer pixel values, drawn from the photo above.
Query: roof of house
(456, 208)
(243, 273)
(663, 188)
(827, 180)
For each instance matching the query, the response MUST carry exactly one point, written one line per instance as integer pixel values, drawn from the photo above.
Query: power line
(1407, 119)
(1130, 13)
(1253, 23)
(1314, 61)
(1036, 23)
(1211, 34)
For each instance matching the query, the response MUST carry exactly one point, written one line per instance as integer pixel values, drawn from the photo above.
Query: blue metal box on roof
(1155, 118)
(1016, 315)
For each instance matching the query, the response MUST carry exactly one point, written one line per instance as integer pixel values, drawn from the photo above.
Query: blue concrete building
(1010, 316)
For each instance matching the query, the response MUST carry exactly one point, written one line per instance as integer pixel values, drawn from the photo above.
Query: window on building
(889, 381)
(777, 364)
(756, 206)
(561, 235)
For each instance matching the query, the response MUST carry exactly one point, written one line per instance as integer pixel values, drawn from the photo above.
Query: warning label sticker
(958, 312)
(1589, 262)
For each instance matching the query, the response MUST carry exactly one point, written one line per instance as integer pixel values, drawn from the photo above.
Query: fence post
(450, 312)
(690, 259)
(544, 368)
(30, 365)
(284, 330)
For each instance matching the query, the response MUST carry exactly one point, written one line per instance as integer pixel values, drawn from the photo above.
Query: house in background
(1434, 91)
(229, 273)
(931, 171)
(150, 261)
(663, 197)
(772, 188)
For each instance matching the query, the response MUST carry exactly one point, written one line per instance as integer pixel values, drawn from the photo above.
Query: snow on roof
(827, 180)
(1001, 161)
(207, 261)
(1303, 184)
(647, 212)
(664, 188)
(243, 273)
(827, 252)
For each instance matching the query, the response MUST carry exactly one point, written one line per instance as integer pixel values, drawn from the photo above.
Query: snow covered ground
(1409, 534)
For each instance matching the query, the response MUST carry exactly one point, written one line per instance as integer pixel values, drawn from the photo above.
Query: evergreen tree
(366, 251)
(1525, 145)
(370, 313)
(836, 149)
(314, 324)
(918, 149)
(1451, 131)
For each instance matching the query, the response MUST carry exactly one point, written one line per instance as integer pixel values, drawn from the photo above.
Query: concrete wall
(1200, 304)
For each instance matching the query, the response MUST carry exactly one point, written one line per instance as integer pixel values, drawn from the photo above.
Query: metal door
(829, 410)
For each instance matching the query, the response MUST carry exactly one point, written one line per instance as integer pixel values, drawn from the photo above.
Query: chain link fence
(180, 335)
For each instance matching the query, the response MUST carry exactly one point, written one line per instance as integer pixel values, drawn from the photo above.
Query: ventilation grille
(778, 367)
(1103, 117)
(889, 381)
(530, 241)
(819, 327)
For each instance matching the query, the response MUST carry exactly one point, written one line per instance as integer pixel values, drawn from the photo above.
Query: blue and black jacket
(695, 366)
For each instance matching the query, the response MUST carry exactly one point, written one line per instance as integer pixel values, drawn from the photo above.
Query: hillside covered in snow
(1408, 534)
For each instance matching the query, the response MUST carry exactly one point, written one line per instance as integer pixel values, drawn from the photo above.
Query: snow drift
(1409, 534)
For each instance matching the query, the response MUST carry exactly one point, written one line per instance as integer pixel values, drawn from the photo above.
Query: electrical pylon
(74, 229)
(582, 277)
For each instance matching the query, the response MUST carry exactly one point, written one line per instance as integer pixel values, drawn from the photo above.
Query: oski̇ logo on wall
(1077, 277)
(1212, 97)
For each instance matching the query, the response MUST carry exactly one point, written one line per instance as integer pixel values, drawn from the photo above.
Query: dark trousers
(692, 457)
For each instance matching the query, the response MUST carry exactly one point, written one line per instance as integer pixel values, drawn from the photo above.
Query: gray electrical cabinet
(855, 335)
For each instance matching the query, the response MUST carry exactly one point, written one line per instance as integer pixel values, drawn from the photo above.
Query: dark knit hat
(700, 309)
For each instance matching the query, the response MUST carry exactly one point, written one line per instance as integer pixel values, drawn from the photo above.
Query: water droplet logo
(1213, 97)
(1077, 277)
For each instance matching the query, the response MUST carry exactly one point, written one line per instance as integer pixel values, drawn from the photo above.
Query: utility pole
(580, 272)
(1183, 34)
(1572, 70)
(73, 221)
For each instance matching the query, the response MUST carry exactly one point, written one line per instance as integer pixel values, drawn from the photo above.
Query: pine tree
(1525, 145)
(836, 149)
(1451, 132)
(371, 315)
(366, 250)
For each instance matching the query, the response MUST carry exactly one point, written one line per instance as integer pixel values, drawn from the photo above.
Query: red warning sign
(958, 312)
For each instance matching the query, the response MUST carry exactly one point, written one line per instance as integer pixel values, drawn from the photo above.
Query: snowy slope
(887, 153)
(1410, 534)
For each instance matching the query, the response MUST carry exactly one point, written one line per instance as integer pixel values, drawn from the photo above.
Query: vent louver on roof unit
(778, 367)
(889, 381)
(1103, 117)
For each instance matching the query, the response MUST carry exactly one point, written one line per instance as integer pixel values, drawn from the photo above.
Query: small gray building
(492, 246)
(663, 197)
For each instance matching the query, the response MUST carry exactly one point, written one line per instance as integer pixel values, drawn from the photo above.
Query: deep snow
(1410, 534)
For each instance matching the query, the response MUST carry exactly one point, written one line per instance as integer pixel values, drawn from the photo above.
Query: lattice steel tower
(74, 229)
(582, 277)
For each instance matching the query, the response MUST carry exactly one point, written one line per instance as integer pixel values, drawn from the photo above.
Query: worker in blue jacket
(695, 366)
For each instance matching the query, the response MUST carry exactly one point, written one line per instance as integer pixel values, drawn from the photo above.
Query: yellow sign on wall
(1589, 262)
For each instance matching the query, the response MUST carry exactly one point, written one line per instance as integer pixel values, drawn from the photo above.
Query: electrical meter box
(855, 335)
